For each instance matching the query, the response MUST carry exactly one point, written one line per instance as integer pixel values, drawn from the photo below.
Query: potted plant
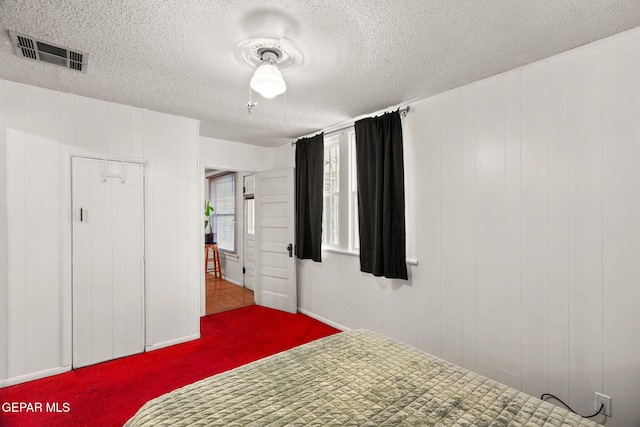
(209, 236)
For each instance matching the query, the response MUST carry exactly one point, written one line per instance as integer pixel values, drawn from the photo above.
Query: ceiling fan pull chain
(285, 106)
(250, 104)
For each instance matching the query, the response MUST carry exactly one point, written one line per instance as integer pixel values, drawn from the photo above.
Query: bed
(356, 378)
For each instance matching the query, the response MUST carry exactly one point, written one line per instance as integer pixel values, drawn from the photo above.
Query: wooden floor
(223, 295)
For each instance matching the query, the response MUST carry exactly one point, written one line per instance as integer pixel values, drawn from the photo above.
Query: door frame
(143, 165)
(239, 224)
(247, 195)
(66, 240)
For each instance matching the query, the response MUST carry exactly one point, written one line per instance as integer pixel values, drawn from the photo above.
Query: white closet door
(108, 260)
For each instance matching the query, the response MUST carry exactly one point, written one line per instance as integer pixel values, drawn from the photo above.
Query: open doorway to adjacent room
(225, 239)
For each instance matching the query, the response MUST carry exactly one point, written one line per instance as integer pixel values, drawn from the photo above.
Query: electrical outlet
(601, 399)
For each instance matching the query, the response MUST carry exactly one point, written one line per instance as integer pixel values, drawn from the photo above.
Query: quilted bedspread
(355, 378)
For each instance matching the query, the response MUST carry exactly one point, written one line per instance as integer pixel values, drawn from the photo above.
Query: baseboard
(233, 281)
(172, 342)
(34, 376)
(323, 320)
(227, 279)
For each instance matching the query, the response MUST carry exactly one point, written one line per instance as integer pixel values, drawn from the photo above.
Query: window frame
(216, 215)
(329, 143)
(348, 237)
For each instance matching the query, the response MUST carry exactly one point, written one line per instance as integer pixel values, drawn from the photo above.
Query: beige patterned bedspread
(356, 378)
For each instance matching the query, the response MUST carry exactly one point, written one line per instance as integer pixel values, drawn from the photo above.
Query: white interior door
(108, 263)
(275, 231)
(249, 268)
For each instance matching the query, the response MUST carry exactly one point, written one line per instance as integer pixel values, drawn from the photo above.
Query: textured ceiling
(361, 56)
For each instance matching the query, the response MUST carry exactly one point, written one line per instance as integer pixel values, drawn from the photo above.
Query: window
(251, 216)
(340, 214)
(330, 214)
(223, 199)
(354, 238)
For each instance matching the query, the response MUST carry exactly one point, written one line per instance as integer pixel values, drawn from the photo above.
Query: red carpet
(109, 393)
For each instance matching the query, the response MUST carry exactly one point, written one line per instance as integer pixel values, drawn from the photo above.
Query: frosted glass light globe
(268, 81)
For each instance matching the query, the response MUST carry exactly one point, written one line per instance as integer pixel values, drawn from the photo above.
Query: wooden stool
(217, 270)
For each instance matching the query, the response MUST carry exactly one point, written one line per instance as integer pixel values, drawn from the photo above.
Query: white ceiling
(361, 56)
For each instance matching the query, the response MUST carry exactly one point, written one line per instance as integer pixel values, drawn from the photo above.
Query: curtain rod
(403, 113)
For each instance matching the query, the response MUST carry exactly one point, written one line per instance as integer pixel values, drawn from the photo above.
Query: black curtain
(309, 172)
(381, 196)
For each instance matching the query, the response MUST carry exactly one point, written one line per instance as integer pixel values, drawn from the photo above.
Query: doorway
(275, 265)
(223, 190)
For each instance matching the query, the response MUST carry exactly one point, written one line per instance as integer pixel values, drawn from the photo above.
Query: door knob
(290, 249)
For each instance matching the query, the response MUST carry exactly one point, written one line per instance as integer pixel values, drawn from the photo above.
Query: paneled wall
(41, 129)
(527, 205)
(4, 303)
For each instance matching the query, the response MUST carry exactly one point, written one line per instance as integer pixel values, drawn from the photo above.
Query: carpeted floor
(109, 393)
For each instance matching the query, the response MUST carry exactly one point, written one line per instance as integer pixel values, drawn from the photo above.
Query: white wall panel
(535, 229)
(66, 119)
(621, 233)
(194, 229)
(558, 226)
(137, 132)
(468, 160)
(3, 240)
(528, 198)
(148, 152)
(513, 229)
(16, 238)
(333, 284)
(404, 309)
(362, 309)
(165, 231)
(42, 236)
(120, 130)
(451, 227)
(91, 124)
(172, 195)
(428, 195)
(490, 227)
(584, 138)
(66, 141)
(183, 256)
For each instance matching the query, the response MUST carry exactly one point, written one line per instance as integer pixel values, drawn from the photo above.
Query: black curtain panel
(309, 169)
(381, 196)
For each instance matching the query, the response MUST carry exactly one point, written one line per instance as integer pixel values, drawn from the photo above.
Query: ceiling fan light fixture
(267, 79)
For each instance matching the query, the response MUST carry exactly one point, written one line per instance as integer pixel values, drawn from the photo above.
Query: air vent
(29, 47)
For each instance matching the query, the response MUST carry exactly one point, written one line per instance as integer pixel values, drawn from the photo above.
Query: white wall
(527, 232)
(284, 156)
(234, 156)
(4, 307)
(42, 130)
